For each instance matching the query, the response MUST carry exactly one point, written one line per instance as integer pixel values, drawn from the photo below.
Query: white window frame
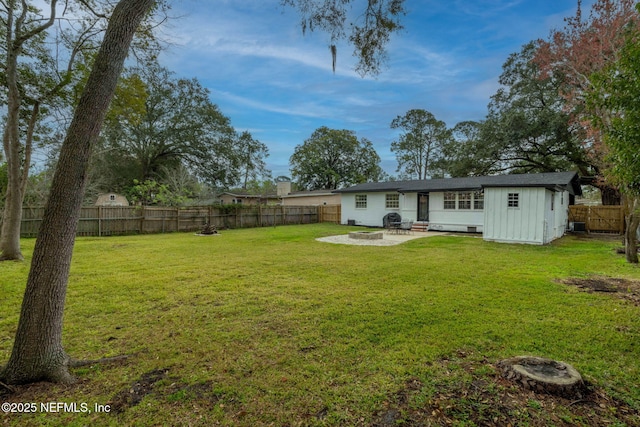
(448, 203)
(478, 200)
(464, 200)
(513, 200)
(361, 201)
(392, 201)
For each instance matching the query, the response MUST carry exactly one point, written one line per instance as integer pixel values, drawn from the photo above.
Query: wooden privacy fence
(598, 219)
(110, 221)
(329, 213)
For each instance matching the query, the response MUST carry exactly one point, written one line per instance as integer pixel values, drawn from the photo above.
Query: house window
(361, 201)
(513, 200)
(112, 197)
(392, 201)
(478, 200)
(449, 200)
(464, 200)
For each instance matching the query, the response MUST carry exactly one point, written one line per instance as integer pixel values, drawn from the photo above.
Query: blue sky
(278, 84)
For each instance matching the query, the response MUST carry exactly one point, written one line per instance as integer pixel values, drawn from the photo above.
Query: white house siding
(524, 224)
(549, 216)
(556, 224)
(370, 216)
(562, 215)
(441, 219)
(409, 206)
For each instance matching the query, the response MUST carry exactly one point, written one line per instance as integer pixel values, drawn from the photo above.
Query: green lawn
(270, 327)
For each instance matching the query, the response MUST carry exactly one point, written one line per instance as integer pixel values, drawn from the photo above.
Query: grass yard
(267, 326)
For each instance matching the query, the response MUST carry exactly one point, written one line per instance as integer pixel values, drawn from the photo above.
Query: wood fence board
(330, 213)
(599, 219)
(119, 220)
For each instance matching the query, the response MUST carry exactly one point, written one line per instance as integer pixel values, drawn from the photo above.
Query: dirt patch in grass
(603, 237)
(622, 288)
(485, 398)
(134, 394)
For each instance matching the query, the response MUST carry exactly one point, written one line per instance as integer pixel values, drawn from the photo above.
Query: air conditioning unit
(579, 226)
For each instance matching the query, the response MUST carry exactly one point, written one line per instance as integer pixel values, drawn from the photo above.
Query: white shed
(525, 215)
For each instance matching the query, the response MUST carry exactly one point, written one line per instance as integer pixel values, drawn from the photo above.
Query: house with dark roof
(238, 198)
(311, 198)
(306, 198)
(518, 208)
(111, 199)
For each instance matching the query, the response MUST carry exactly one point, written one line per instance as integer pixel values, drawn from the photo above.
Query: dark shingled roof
(553, 180)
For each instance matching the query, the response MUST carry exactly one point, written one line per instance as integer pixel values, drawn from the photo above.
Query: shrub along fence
(110, 221)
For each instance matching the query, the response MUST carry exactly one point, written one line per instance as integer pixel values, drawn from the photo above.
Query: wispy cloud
(308, 109)
(271, 79)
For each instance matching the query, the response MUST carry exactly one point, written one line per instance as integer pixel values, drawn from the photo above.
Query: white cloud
(271, 79)
(303, 110)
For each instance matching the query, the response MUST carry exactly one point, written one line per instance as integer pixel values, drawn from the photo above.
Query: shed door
(423, 206)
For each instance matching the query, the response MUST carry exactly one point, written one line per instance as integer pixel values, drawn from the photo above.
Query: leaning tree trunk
(37, 351)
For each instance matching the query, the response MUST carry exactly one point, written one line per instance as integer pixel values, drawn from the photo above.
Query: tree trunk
(610, 196)
(630, 234)
(11, 221)
(37, 351)
(10, 234)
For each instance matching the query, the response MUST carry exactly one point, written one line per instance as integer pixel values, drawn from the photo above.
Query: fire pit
(366, 235)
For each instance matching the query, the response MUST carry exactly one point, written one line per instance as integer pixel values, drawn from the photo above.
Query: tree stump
(543, 375)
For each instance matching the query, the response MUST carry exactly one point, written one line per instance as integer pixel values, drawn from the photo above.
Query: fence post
(142, 213)
(99, 221)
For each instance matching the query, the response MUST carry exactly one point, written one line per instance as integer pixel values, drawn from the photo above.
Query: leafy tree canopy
(616, 90)
(420, 147)
(332, 159)
(159, 122)
(584, 46)
(527, 129)
(465, 154)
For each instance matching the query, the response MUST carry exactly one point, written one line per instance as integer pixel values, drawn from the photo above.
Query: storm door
(423, 206)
